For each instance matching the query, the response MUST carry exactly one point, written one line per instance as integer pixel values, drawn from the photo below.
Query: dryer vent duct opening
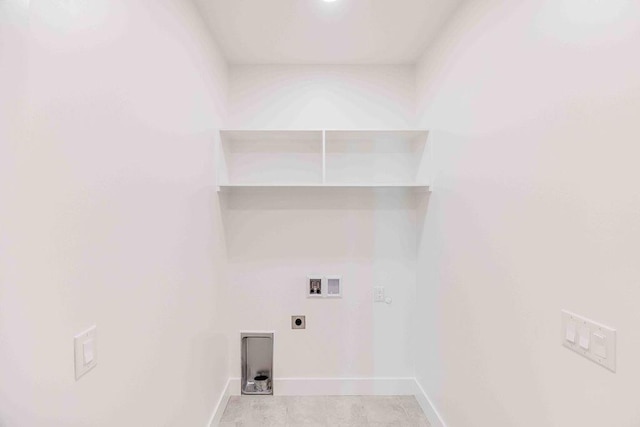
(257, 362)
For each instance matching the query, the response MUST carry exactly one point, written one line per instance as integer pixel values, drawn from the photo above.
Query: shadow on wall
(302, 223)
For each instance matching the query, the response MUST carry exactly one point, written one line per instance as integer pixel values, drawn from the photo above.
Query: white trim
(336, 386)
(216, 416)
(428, 407)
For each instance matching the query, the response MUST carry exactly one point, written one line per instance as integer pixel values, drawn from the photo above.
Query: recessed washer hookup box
(256, 349)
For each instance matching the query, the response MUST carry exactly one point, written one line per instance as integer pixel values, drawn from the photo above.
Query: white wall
(275, 239)
(535, 107)
(108, 213)
(321, 96)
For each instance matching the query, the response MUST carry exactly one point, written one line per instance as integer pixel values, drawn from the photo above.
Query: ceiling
(317, 32)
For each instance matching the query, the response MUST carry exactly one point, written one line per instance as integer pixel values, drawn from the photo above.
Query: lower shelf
(232, 187)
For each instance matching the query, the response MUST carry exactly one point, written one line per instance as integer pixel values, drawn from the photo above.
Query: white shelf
(299, 136)
(388, 136)
(413, 186)
(375, 159)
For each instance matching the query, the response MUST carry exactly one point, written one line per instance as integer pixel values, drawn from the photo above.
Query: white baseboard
(337, 386)
(428, 407)
(221, 405)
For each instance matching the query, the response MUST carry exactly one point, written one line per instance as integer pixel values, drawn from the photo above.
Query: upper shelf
(266, 136)
(377, 136)
(323, 159)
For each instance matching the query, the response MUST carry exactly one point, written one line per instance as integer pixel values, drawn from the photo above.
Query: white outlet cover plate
(593, 353)
(87, 337)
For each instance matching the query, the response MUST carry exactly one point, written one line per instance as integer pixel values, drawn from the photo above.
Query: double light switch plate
(593, 340)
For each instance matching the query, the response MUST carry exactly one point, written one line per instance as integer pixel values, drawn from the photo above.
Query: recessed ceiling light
(329, 1)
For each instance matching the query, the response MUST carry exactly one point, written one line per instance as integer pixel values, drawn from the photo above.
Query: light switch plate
(593, 340)
(85, 351)
(570, 331)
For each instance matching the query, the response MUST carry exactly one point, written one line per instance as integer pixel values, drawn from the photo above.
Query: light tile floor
(326, 411)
